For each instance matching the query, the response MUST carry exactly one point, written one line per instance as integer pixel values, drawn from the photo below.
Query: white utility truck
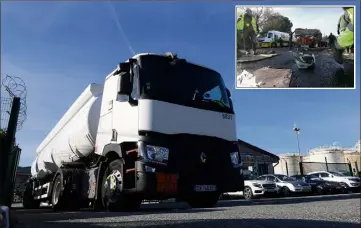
(272, 39)
(160, 127)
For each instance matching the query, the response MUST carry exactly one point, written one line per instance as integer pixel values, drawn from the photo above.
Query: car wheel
(247, 193)
(286, 192)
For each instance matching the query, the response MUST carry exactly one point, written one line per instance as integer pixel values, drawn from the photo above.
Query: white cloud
(323, 18)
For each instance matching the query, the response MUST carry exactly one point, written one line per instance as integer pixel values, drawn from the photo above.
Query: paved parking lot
(306, 212)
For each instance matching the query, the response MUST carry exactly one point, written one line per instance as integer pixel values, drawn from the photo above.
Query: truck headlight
(157, 153)
(235, 158)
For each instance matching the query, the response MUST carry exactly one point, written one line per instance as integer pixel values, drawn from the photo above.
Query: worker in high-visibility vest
(247, 28)
(346, 37)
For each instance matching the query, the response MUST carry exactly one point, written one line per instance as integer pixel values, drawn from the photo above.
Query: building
(339, 157)
(255, 159)
(288, 164)
(22, 175)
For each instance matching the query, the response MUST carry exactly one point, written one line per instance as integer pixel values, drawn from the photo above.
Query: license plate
(205, 188)
(270, 190)
(338, 187)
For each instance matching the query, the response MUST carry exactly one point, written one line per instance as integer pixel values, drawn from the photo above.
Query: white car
(350, 182)
(255, 189)
(287, 185)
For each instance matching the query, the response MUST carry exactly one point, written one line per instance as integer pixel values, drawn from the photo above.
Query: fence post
(326, 164)
(301, 168)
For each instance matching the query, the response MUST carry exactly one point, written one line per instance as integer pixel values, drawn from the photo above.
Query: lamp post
(297, 131)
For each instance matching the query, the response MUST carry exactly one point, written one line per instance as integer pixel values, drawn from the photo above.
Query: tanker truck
(159, 127)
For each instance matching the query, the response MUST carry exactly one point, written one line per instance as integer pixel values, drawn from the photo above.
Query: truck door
(125, 112)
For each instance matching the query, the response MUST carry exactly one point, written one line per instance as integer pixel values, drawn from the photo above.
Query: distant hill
(26, 169)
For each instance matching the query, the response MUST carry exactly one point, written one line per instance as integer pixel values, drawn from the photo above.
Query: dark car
(320, 186)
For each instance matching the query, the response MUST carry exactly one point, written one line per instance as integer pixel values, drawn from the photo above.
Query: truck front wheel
(112, 194)
(28, 198)
(203, 200)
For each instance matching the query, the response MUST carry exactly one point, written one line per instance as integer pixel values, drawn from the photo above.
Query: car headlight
(296, 185)
(157, 153)
(234, 158)
(257, 185)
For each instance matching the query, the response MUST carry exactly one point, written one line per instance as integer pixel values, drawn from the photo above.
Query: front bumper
(301, 189)
(264, 191)
(185, 169)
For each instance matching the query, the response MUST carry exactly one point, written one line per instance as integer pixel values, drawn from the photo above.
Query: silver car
(287, 185)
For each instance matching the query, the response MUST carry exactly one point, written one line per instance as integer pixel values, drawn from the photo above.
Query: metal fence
(307, 167)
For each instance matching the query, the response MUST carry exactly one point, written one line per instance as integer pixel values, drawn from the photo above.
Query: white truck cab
(160, 127)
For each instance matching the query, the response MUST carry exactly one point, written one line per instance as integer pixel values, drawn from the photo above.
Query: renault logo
(203, 157)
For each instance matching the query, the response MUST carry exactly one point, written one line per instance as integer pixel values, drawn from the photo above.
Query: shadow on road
(280, 201)
(219, 223)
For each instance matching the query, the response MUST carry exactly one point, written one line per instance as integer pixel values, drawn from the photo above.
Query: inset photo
(295, 47)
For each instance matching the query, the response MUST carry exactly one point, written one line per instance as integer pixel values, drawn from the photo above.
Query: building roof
(246, 144)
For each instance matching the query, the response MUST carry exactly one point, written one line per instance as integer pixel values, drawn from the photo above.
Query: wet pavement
(327, 72)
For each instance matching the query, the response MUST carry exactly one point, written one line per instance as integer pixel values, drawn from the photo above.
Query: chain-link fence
(12, 86)
(13, 114)
(344, 168)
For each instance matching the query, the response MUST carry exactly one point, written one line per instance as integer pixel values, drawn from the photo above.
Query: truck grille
(268, 186)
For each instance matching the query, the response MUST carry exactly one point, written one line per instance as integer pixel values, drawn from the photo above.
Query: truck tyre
(56, 194)
(203, 200)
(112, 195)
(247, 193)
(28, 198)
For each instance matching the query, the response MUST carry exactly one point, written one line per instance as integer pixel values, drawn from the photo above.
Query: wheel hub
(113, 185)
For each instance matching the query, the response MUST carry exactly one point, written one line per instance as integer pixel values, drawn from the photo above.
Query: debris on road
(273, 77)
(246, 79)
(304, 59)
(265, 77)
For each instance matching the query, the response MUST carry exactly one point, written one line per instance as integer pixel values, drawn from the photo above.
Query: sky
(323, 18)
(58, 48)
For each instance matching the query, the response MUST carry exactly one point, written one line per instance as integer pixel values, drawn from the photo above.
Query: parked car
(318, 185)
(347, 182)
(287, 185)
(254, 189)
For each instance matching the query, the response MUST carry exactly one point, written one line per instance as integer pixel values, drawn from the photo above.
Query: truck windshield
(161, 78)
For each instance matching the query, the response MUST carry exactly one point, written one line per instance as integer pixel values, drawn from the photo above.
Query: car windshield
(179, 82)
(312, 177)
(285, 178)
(250, 177)
(337, 174)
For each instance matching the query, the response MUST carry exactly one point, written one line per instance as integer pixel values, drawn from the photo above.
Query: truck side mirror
(124, 85)
(228, 92)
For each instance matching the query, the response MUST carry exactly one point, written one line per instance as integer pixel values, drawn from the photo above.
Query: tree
(277, 22)
(267, 19)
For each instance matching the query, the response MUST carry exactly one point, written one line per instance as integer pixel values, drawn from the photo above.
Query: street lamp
(297, 131)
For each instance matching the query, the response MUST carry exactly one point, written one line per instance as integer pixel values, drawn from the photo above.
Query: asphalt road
(327, 72)
(335, 211)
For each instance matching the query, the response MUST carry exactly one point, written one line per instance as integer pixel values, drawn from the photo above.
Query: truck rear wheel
(56, 193)
(112, 195)
(28, 198)
(203, 200)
